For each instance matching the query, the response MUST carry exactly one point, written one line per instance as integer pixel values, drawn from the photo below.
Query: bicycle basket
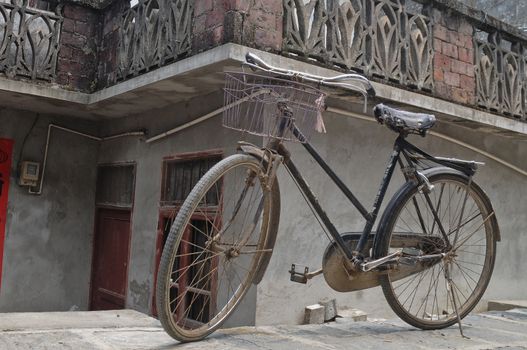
(254, 104)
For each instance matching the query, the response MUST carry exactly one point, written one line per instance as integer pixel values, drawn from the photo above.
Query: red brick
(442, 62)
(263, 19)
(453, 38)
(438, 75)
(237, 5)
(202, 6)
(268, 39)
(75, 12)
(215, 18)
(440, 32)
(467, 83)
(275, 7)
(67, 66)
(74, 40)
(463, 96)
(466, 55)
(65, 52)
(63, 78)
(442, 90)
(217, 35)
(451, 79)
(68, 25)
(468, 41)
(460, 67)
(437, 44)
(466, 28)
(84, 28)
(449, 50)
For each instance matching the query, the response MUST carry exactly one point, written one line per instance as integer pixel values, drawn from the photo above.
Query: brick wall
(454, 77)
(77, 58)
(109, 41)
(254, 23)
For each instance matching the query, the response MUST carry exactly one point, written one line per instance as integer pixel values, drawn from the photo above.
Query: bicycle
(433, 252)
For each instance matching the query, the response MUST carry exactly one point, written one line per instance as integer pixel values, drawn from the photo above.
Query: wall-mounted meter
(29, 172)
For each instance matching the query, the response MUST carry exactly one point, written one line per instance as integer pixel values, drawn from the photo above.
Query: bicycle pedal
(298, 277)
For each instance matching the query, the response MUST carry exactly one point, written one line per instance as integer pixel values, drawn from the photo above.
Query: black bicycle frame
(400, 146)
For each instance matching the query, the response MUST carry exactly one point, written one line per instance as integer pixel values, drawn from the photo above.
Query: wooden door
(110, 259)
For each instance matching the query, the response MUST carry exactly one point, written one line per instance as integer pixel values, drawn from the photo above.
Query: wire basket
(254, 104)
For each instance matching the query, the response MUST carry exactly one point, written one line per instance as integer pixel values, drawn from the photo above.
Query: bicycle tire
(223, 254)
(422, 299)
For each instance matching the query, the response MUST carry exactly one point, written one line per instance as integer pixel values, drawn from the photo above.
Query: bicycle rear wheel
(215, 247)
(427, 296)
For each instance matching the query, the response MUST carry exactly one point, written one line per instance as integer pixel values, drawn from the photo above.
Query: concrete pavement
(126, 329)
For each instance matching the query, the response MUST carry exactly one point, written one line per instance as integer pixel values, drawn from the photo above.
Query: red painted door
(110, 259)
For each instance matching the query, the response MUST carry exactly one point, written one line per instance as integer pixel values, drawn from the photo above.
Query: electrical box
(29, 172)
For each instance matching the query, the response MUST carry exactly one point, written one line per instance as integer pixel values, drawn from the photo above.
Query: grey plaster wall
(48, 246)
(358, 150)
(513, 12)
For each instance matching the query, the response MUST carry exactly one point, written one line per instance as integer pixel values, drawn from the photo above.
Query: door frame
(165, 211)
(95, 220)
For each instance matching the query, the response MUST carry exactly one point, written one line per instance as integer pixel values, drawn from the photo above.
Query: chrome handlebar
(354, 82)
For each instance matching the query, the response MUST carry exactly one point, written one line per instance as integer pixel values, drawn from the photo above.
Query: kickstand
(453, 297)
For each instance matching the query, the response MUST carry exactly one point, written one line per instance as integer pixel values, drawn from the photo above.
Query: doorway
(112, 236)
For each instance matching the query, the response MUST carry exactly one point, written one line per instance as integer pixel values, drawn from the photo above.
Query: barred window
(180, 176)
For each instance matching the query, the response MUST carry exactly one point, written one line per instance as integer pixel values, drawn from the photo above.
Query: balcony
(435, 50)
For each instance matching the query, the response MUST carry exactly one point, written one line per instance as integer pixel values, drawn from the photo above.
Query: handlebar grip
(249, 57)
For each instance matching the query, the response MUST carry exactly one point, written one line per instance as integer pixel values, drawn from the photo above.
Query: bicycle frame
(401, 146)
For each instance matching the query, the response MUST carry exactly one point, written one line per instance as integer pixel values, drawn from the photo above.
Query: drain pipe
(439, 135)
(91, 137)
(207, 116)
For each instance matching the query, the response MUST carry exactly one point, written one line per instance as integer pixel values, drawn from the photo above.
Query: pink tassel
(319, 126)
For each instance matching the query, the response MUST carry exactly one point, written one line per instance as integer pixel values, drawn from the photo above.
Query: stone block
(314, 314)
(330, 309)
(355, 314)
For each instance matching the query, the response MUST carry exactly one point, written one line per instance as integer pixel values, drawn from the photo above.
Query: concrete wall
(48, 245)
(513, 12)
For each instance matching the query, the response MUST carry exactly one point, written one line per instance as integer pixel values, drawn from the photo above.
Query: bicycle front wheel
(441, 274)
(215, 247)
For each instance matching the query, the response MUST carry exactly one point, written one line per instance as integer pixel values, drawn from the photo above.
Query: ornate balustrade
(153, 33)
(29, 41)
(378, 37)
(501, 73)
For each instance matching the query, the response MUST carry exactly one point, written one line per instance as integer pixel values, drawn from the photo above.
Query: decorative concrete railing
(501, 72)
(378, 37)
(152, 34)
(29, 41)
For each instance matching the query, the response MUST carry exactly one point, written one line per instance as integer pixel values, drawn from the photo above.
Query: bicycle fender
(428, 173)
(252, 150)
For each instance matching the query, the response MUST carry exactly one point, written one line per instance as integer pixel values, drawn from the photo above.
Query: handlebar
(354, 82)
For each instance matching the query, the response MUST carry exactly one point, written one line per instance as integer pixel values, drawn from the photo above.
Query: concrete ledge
(202, 74)
(24, 321)
(504, 305)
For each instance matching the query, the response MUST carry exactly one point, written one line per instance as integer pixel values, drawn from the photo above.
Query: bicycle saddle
(403, 121)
